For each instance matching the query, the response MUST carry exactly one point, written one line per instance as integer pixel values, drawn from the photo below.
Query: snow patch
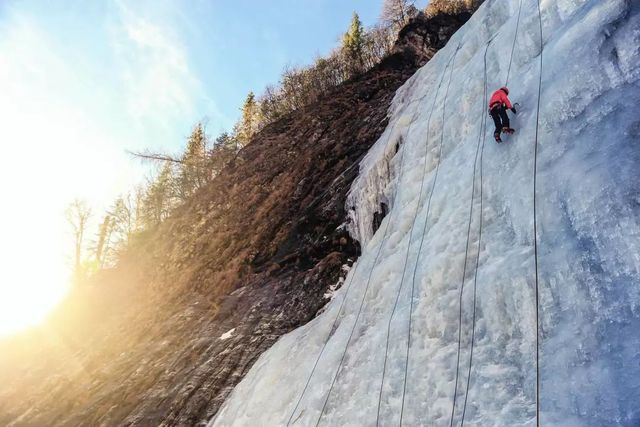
(331, 292)
(227, 334)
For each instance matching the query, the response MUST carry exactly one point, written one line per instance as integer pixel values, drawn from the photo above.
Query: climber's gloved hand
(513, 109)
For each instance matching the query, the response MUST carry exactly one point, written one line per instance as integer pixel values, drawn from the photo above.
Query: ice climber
(498, 106)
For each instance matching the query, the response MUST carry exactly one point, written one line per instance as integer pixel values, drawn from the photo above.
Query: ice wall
(347, 366)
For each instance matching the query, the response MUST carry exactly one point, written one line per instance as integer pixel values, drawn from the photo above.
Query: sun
(26, 301)
(34, 274)
(19, 310)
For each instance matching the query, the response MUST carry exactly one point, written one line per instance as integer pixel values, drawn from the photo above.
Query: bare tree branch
(396, 13)
(158, 157)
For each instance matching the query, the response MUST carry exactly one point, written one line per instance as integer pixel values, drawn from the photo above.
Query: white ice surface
(588, 212)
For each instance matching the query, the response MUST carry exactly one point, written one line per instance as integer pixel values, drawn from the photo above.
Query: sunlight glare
(55, 148)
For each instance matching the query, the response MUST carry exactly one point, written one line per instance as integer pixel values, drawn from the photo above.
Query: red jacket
(499, 98)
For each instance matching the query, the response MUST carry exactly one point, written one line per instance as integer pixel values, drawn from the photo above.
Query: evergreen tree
(250, 119)
(227, 143)
(193, 172)
(158, 199)
(224, 150)
(353, 44)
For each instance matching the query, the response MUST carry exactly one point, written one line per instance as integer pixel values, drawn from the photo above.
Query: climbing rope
(415, 216)
(466, 252)
(415, 268)
(535, 224)
(513, 47)
(475, 275)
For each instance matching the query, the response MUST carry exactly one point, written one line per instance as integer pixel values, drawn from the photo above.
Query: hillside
(164, 338)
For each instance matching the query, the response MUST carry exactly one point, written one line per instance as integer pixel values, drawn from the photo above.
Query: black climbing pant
(500, 118)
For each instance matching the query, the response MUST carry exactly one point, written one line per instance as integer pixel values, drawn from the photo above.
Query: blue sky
(149, 69)
(83, 81)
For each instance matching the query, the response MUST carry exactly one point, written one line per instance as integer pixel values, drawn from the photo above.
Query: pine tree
(353, 43)
(224, 150)
(250, 119)
(159, 197)
(193, 172)
(227, 143)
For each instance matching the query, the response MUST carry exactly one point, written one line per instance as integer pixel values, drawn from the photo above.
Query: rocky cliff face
(425, 36)
(164, 338)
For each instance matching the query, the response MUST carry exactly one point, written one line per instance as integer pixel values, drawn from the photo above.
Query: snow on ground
(588, 217)
(227, 334)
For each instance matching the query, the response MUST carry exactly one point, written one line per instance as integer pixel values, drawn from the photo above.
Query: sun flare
(20, 309)
(29, 292)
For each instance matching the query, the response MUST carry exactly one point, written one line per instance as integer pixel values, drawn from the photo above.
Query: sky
(83, 81)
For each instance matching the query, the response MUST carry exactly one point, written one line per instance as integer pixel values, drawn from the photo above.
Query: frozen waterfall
(376, 354)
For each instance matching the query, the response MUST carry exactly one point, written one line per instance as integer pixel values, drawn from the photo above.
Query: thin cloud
(158, 82)
(160, 86)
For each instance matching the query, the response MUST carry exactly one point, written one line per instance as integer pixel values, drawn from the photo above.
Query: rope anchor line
(466, 253)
